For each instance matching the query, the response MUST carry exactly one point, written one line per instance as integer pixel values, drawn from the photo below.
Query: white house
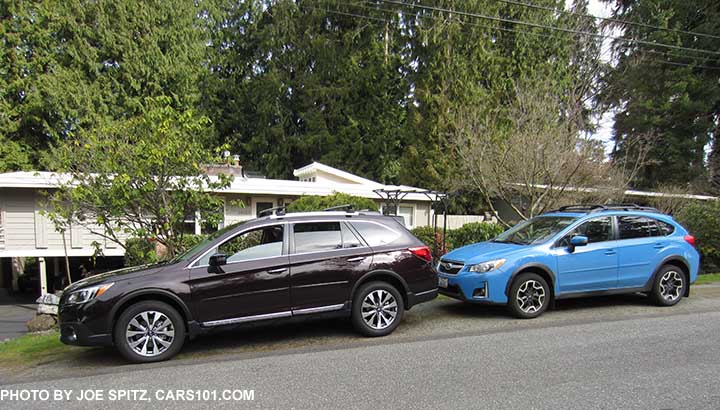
(26, 232)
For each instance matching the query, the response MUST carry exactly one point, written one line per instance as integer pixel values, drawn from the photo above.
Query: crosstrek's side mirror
(577, 240)
(217, 260)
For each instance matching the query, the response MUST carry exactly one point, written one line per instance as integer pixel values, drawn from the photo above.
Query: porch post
(43, 276)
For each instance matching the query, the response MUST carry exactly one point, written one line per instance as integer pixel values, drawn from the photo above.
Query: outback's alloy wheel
(529, 296)
(149, 331)
(377, 309)
(669, 286)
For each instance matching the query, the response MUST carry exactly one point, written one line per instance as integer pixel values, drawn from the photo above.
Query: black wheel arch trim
(531, 265)
(380, 272)
(668, 260)
(145, 292)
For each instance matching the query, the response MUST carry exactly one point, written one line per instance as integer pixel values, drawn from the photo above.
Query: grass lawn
(710, 278)
(32, 349)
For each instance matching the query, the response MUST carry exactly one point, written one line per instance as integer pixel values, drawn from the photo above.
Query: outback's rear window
(376, 234)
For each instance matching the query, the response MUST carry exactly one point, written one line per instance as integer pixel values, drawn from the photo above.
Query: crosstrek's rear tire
(149, 331)
(377, 309)
(529, 296)
(669, 286)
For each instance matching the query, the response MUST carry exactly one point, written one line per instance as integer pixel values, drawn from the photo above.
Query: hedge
(702, 219)
(318, 203)
(467, 234)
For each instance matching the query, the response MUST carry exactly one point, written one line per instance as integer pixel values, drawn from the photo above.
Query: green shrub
(318, 203)
(188, 241)
(469, 233)
(140, 251)
(702, 219)
(472, 233)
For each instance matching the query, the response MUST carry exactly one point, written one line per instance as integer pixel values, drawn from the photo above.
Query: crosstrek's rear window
(376, 234)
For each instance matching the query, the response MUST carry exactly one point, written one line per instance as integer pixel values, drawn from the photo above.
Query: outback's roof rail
(591, 208)
(346, 208)
(278, 210)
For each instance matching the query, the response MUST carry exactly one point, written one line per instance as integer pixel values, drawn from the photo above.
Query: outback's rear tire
(377, 309)
(149, 331)
(529, 296)
(669, 286)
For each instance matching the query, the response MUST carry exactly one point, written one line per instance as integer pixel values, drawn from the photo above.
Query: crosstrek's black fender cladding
(535, 266)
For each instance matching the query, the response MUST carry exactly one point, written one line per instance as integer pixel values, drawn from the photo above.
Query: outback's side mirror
(577, 240)
(218, 260)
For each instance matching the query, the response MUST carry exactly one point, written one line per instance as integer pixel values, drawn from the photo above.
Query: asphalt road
(643, 358)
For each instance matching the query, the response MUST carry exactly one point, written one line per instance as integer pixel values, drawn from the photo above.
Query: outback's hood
(124, 273)
(482, 252)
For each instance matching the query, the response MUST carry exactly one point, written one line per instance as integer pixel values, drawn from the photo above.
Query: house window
(261, 206)
(407, 212)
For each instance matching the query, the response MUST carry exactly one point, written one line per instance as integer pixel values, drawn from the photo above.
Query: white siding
(19, 219)
(235, 213)
(2, 227)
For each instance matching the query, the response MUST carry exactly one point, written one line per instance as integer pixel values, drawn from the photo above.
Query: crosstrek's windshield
(536, 230)
(185, 256)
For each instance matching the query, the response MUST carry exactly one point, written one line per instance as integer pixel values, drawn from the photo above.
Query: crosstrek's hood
(124, 273)
(483, 252)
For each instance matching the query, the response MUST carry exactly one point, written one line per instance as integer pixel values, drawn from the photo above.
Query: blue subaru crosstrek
(575, 251)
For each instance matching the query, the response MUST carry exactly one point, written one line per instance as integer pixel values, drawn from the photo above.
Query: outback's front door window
(258, 243)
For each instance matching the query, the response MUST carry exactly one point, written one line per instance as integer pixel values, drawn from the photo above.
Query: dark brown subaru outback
(362, 265)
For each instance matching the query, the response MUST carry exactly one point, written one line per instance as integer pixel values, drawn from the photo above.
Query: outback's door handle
(276, 271)
(356, 259)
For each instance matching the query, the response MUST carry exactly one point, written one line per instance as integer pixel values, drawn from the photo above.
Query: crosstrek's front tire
(377, 309)
(149, 331)
(529, 296)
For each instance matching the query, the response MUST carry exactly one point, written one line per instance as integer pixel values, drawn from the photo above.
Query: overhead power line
(549, 27)
(362, 16)
(608, 19)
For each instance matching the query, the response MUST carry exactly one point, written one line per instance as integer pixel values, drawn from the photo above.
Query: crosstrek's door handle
(658, 246)
(610, 252)
(355, 259)
(276, 271)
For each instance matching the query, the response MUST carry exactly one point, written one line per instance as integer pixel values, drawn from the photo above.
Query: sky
(605, 124)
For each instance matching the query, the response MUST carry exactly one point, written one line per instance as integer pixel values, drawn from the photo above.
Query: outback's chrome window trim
(274, 223)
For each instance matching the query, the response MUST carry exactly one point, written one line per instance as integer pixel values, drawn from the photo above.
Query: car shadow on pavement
(460, 309)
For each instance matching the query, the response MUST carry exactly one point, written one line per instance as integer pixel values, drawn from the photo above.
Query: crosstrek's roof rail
(606, 207)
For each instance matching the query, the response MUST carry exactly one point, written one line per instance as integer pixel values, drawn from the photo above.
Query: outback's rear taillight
(690, 239)
(422, 252)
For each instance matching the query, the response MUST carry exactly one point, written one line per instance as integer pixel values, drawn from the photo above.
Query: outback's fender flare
(379, 272)
(145, 292)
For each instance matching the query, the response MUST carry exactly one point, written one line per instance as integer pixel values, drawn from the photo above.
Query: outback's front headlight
(87, 294)
(486, 266)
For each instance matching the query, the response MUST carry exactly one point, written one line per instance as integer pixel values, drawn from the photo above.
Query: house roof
(312, 169)
(356, 185)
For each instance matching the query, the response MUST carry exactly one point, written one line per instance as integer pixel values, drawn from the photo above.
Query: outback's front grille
(450, 267)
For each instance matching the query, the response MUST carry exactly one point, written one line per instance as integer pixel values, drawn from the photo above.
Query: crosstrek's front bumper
(475, 287)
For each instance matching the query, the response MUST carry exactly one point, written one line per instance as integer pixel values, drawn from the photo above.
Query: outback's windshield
(536, 230)
(185, 256)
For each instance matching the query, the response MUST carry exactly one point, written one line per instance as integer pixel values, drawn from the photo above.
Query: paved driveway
(14, 313)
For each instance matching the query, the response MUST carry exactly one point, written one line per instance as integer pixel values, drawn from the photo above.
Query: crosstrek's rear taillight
(690, 239)
(422, 252)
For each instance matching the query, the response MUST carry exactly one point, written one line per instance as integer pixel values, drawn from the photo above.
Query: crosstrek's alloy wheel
(529, 296)
(669, 286)
(377, 309)
(149, 331)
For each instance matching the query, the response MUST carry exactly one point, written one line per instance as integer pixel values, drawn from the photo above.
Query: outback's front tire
(669, 286)
(529, 296)
(377, 309)
(149, 331)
